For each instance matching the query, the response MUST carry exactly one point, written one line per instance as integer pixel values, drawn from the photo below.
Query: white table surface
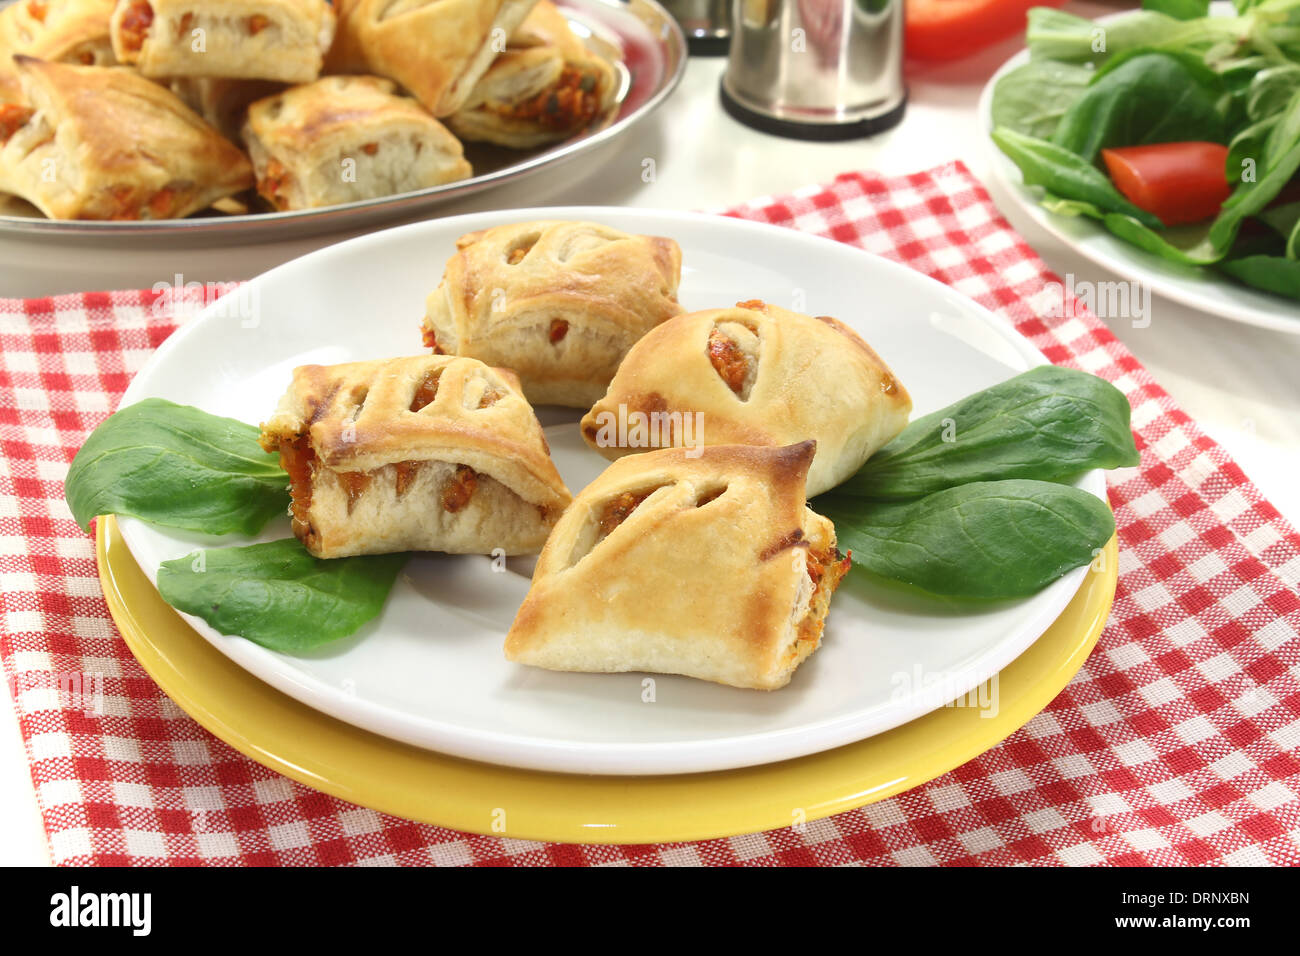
(1240, 383)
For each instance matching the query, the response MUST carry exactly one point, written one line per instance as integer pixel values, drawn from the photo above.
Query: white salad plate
(430, 670)
(1198, 288)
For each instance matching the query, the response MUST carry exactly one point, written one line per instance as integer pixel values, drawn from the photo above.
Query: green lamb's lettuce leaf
(1277, 274)
(1179, 9)
(1066, 174)
(1146, 97)
(1032, 98)
(994, 539)
(1048, 423)
(277, 595)
(177, 466)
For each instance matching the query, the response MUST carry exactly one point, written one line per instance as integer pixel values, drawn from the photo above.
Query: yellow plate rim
(405, 781)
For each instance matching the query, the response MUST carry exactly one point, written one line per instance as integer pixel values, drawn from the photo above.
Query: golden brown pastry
(755, 374)
(437, 49)
(62, 31)
(222, 102)
(429, 453)
(105, 143)
(713, 567)
(346, 138)
(559, 302)
(546, 86)
(282, 40)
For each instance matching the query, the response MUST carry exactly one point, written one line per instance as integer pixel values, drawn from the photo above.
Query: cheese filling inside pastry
(344, 139)
(760, 375)
(711, 567)
(105, 143)
(282, 40)
(428, 453)
(559, 302)
(546, 86)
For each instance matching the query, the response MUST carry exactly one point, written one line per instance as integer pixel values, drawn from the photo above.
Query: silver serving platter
(641, 34)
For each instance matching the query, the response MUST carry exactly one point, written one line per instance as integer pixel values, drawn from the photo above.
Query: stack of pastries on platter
(158, 109)
(695, 552)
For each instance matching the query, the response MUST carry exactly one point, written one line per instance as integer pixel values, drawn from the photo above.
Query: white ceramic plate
(430, 670)
(1198, 288)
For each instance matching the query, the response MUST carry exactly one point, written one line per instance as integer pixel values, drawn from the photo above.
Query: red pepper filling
(728, 360)
(298, 459)
(272, 184)
(572, 103)
(617, 511)
(460, 489)
(12, 118)
(135, 25)
(426, 393)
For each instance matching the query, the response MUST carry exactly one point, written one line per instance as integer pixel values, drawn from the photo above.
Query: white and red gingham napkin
(1175, 744)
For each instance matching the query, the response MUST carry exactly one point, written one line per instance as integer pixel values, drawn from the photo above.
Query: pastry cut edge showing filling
(572, 103)
(455, 492)
(825, 568)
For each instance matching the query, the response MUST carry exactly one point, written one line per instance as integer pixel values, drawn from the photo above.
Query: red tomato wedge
(1178, 183)
(951, 29)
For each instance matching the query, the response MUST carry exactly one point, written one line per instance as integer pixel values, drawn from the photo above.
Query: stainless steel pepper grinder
(816, 69)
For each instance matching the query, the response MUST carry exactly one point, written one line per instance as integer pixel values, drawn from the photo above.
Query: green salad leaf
(1170, 72)
(1048, 423)
(178, 466)
(1179, 9)
(277, 595)
(1145, 97)
(1032, 98)
(991, 539)
(1066, 174)
(1277, 274)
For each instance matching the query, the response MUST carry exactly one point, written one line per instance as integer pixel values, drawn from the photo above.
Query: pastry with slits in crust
(105, 143)
(282, 40)
(546, 86)
(427, 453)
(61, 31)
(712, 567)
(437, 49)
(347, 138)
(760, 375)
(559, 302)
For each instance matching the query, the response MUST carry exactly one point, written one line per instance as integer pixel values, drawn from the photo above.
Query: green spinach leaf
(994, 539)
(1179, 9)
(1066, 175)
(278, 595)
(1032, 98)
(1147, 97)
(1048, 423)
(178, 466)
(1277, 274)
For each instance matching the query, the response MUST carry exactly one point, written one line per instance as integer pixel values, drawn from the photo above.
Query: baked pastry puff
(755, 374)
(105, 143)
(559, 302)
(428, 453)
(437, 49)
(222, 102)
(347, 138)
(546, 86)
(282, 40)
(712, 567)
(62, 31)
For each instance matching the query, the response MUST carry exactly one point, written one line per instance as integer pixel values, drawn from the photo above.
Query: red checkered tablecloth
(1175, 744)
